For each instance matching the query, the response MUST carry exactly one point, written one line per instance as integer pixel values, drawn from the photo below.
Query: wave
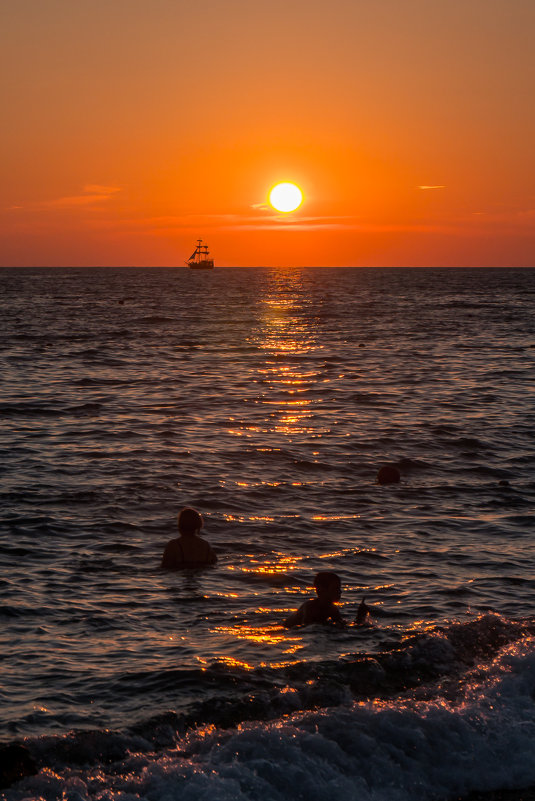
(447, 713)
(156, 319)
(52, 409)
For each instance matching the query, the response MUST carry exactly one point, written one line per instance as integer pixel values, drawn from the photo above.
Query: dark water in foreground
(268, 399)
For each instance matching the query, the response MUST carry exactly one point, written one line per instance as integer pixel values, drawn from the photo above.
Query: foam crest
(398, 750)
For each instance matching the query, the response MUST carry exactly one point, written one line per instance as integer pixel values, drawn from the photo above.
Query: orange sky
(131, 128)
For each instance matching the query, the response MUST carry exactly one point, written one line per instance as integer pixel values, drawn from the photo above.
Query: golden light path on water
(293, 380)
(289, 403)
(287, 334)
(287, 337)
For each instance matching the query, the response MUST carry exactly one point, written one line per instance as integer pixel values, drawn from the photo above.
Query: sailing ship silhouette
(199, 258)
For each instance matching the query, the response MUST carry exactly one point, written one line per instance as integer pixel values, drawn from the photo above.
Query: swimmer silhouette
(322, 608)
(189, 549)
(388, 474)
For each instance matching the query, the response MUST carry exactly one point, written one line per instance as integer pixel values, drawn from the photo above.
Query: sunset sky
(132, 127)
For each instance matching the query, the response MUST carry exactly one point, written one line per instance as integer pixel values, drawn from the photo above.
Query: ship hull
(204, 264)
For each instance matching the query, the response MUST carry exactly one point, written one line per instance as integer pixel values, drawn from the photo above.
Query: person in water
(188, 549)
(322, 608)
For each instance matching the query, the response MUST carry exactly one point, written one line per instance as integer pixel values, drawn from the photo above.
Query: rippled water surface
(267, 399)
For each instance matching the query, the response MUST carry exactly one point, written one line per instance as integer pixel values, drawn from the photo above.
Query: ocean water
(268, 399)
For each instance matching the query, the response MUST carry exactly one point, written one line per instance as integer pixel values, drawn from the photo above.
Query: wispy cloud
(436, 186)
(168, 225)
(91, 194)
(265, 219)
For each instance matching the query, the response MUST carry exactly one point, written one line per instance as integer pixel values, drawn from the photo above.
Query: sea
(268, 399)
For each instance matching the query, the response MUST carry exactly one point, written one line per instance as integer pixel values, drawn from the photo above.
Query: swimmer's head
(189, 521)
(328, 585)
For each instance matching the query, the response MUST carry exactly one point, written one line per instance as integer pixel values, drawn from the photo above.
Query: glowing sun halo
(286, 197)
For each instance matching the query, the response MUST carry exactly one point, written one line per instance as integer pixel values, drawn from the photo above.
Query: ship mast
(200, 258)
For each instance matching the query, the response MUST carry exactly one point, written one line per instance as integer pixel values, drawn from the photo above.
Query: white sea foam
(397, 750)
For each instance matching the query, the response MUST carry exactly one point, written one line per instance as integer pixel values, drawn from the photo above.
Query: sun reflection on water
(288, 378)
(277, 565)
(235, 518)
(262, 636)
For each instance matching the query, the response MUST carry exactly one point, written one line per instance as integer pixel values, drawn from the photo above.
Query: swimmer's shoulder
(172, 555)
(296, 618)
(176, 555)
(210, 556)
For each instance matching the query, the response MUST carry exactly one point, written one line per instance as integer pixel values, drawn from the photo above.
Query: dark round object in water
(16, 762)
(504, 483)
(388, 474)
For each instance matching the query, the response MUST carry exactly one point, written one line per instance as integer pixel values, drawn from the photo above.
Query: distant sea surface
(268, 399)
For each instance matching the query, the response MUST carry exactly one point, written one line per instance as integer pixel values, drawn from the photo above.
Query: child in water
(189, 549)
(322, 608)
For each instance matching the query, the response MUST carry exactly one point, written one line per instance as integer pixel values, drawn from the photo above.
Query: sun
(286, 197)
